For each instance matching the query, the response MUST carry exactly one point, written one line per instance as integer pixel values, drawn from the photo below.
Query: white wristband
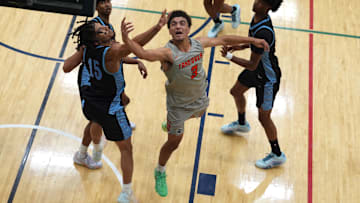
(229, 55)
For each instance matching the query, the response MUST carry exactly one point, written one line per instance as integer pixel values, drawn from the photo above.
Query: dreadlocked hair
(85, 35)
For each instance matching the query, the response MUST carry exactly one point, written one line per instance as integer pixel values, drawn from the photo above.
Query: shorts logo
(179, 131)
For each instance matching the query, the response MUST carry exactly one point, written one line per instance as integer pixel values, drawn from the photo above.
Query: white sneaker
(216, 29)
(235, 17)
(125, 197)
(132, 125)
(86, 161)
(271, 161)
(235, 127)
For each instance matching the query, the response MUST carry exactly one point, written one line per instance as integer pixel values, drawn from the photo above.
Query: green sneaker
(160, 183)
(164, 126)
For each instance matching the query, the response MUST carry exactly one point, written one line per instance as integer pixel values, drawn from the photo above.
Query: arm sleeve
(265, 34)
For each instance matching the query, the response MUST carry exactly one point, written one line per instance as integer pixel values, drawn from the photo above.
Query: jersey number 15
(94, 67)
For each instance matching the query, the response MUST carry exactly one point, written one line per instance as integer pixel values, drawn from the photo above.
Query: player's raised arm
(146, 36)
(232, 40)
(160, 54)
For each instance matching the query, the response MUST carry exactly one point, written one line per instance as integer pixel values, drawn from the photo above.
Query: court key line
(68, 135)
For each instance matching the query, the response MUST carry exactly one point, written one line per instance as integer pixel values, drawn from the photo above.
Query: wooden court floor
(316, 112)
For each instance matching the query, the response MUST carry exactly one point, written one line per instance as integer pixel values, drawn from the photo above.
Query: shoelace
(216, 26)
(162, 179)
(269, 156)
(233, 16)
(234, 124)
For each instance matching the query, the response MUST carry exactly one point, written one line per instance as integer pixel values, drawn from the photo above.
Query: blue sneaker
(235, 127)
(216, 29)
(235, 17)
(271, 161)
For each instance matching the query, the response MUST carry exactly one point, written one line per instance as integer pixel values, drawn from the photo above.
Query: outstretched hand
(224, 50)
(126, 28)
(163, 19)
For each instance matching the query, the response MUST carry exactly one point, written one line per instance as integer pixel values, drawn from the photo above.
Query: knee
(125, 99)
(126, 148)
(264, 118)
(235, 93)
(173, 145)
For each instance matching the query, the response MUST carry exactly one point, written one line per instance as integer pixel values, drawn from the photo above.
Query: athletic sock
(275, 148)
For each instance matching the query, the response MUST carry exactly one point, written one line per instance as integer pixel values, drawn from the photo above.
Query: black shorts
(116, 127)
(265, 89)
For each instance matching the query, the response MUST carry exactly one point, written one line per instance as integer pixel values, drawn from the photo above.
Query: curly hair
(179, 13)
(275, 4)
(86, 35)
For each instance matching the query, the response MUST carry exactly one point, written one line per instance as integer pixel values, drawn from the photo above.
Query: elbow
(66, 67)
(252, 65)
(66, 70)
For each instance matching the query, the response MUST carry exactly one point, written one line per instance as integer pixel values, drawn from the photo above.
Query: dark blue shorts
(265, 89)
(116, 127)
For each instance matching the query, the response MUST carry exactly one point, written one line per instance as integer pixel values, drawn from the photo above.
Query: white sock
(97, 147)
(97, 152)
(83, 150)
(127, 188)
(160, 168)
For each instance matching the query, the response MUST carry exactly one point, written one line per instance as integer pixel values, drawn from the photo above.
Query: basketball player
(181, 61)
(102, 82)
(262, 72)
(214, 8)
(104, 8)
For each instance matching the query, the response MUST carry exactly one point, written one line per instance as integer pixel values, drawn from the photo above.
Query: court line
(62, 60)
(151, 11)
(39, 116)
(247, 23)
(68, 135)
(200, 28)
(195, 17)
(216, 115)
(223, 62)
(201, 130)
(30, 54)
(311, 94)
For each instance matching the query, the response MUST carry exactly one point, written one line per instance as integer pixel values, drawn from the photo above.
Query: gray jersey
(186, 76)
